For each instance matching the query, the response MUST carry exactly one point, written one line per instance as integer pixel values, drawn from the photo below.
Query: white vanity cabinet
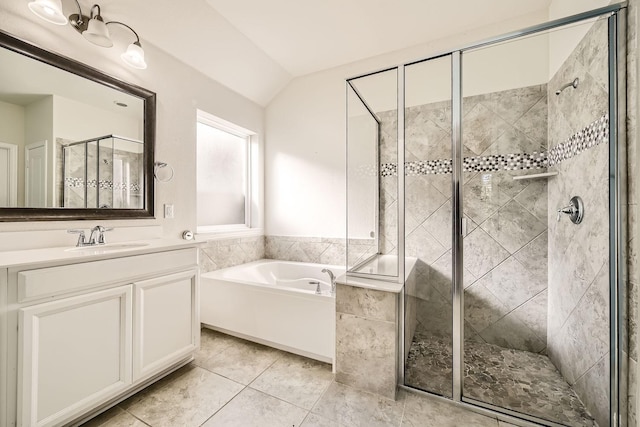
(82, 336)
(74, 354)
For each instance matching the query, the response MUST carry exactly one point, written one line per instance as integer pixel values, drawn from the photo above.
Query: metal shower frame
(617, 204)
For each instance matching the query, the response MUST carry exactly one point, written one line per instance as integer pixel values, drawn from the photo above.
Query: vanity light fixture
(93, 28)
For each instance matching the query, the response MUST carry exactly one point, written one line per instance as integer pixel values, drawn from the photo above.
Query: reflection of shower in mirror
(101, 172)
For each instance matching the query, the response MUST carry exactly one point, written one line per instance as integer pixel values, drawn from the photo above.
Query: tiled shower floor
(518, 380)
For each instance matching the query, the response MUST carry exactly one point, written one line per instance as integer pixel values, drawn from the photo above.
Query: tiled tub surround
(223, 253)
(578, 316)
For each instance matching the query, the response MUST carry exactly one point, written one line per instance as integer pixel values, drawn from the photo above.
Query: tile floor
(518, 380)
(233, 382)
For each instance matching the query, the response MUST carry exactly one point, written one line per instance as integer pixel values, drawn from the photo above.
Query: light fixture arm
(99, 14)
(80, 14)
(137, 42)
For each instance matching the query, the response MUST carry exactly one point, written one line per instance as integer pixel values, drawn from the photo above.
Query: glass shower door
(428, 223)
(536, 302)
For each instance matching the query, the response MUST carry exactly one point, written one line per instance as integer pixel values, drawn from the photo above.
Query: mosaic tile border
(588, 137)
(71, 182)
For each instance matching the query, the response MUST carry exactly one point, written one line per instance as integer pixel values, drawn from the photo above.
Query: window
(224, 167)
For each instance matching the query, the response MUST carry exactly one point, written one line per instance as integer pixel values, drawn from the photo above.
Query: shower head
(573, 84)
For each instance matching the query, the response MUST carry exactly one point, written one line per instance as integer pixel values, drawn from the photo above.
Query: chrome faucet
(333, 279)
(98, 231)
(95, 238)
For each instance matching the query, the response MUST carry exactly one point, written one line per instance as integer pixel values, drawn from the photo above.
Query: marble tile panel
(534, 123)
(336, 254)
(482, 128)
(593, 388)
(480, 202)
(421, 411)
(511, 141)
(511, 333)
(533, 314)
(114, 417)
(481, 308)
(534, 199)
(242, 361)
(421, 135)
(439, 274)
(632, 319)
(422, 198)
(190, 399)
(364, 346)
(421, 244)
(482, 253)
(434, 311)
(584, 338)
(351, 407)
(534, 257)
(512, 104)
(307, 251)
(253, 408)
(277, 248)
(368, 303)
(295, 379)
(513, 226)
(512, 284)
(632, 408)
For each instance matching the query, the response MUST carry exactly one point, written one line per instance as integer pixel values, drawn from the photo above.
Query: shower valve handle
(575, 210)
(566, 210)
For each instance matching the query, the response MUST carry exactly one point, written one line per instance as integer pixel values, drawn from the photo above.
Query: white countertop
(68, 254)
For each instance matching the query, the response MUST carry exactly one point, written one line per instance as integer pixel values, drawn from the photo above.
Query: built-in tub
(272, 302)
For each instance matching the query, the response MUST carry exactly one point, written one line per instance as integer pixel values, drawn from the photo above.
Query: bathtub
(271, 302)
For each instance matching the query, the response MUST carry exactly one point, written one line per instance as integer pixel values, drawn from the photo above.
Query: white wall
(39, 127)
(180, 91)
(12, 132)
(561, 44)
(305, 153)
(78, 121)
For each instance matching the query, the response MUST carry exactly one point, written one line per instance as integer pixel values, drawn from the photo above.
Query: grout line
(582, 296)
(223, 406)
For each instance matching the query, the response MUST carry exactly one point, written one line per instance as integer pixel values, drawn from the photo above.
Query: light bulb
(49, 10)
(134, 56)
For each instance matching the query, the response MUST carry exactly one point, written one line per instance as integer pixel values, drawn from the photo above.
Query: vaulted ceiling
(256, 47)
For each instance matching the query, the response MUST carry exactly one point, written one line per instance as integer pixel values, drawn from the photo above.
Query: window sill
(205, 236)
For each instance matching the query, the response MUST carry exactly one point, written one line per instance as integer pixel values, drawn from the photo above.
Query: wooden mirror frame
(149, 99)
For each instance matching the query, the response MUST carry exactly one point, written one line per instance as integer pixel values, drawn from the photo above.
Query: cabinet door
(166, 327)
(74, 354)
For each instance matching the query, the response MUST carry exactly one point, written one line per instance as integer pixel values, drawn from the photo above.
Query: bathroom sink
(109, 247)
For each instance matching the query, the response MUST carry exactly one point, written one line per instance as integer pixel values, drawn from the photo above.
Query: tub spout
(333, 279)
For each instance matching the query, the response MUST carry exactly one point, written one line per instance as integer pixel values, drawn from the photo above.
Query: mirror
(74, 143)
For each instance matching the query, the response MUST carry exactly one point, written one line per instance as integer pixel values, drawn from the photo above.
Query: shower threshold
(516, 380)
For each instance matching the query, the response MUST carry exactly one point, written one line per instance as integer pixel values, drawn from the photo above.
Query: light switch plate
(168, 211)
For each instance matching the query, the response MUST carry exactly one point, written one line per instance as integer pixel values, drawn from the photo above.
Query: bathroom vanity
(83, 328)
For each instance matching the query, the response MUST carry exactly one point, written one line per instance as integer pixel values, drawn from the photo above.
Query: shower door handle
(463, 226)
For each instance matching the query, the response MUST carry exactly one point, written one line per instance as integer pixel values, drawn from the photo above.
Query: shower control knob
(575, 210)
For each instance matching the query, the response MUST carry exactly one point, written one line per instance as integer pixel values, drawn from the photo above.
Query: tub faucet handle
(318, 291)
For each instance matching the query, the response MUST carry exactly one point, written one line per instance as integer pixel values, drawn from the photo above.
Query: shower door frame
(617, 202)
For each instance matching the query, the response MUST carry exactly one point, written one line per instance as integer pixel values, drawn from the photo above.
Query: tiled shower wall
(578, 319)
(506, 245)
